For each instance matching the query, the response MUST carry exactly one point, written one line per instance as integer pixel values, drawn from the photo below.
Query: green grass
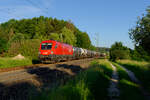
(140, 69)
(9, 62)
(91, 84)
(128, 89)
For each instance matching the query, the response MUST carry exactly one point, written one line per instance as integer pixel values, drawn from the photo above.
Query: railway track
(19, 83)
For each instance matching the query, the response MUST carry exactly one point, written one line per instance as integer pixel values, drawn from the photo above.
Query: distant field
(9, 62)
(91, 84)
(140, 69)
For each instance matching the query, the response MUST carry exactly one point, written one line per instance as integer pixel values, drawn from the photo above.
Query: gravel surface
(113, 90)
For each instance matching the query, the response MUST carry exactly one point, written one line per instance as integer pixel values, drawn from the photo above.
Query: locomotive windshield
(46, 46)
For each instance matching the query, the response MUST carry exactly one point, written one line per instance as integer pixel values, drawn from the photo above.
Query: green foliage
(3, 45)
(141, 33)
(17, 37)
(83, 40)
(67, 36)
(93, 48)
(118, 51)
(55, 36)
(139, 54)
(103, 49)
(72, 92)
(41, 28)
(27, 48)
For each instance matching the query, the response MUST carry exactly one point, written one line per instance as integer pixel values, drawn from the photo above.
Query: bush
(119, 54)
(118, 51)
(28, 48)
(139, 54)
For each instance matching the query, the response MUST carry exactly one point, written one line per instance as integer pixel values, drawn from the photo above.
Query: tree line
(140, 34)
(41, 28)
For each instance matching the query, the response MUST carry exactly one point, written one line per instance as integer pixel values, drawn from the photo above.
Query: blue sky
(111, 19)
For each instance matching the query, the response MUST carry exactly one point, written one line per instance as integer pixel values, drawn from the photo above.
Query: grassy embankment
(91, 84)
(140, 69)
(9, 62)
(128, 89)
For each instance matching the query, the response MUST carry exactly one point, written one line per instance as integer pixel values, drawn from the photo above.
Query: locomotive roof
(56, 42)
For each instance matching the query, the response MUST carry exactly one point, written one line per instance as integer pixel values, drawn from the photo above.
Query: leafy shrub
(139, 54)
(118, 51)
(27, 48)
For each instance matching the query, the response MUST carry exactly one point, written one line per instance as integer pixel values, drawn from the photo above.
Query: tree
(83, 40)
(141, 33)
(55, 36)
(67, 36)
(17, 37)
(118, 51)
(3, 45)
(139, 54)
(43, 28)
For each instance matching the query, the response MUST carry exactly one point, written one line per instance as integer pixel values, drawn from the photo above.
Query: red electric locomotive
(54, 51)
(51, 50)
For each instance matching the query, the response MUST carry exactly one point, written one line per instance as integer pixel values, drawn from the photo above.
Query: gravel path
(113, 90)
(135, 80)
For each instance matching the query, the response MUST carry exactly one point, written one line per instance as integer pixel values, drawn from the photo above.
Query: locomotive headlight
(51, 52)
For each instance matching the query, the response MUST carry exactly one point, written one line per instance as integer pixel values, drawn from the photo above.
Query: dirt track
(20, 84)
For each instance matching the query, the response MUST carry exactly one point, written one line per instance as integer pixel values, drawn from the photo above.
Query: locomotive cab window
(46, 46)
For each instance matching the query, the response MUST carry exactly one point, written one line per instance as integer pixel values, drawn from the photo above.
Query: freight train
(54, 51)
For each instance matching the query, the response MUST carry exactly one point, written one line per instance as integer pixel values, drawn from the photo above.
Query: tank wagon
(51, 50)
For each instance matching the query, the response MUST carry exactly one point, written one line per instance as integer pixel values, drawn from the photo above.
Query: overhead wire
(8, 10)
(37, 6)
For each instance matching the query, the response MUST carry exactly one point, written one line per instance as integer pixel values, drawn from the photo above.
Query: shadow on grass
(141, 73)
(130, 91)
(46, 76)
(19, 91)
(89, 85)
(36, 61)
(73, 68)
(54, 76)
